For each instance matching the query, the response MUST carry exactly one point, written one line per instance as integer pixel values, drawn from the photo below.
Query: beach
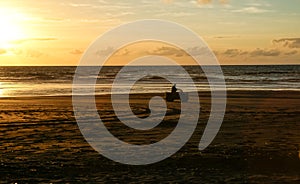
(198, 91)
(259, 142)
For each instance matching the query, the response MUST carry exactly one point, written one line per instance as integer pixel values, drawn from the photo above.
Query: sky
(239, 32)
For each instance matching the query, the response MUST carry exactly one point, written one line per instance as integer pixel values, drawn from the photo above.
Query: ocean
(20, 81)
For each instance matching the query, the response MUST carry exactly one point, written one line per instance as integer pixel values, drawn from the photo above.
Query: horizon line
(280, 64)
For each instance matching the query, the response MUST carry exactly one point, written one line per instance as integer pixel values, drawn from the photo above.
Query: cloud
(175, 14)
(204, 2)
(31, 39)
(167, 1)
(104, 52)
(31, 53)
(2, 51)
(196, 51)
(177, 52)
(76, 52)
(288, 42)
(254, 53)
(259, 4)
(80, 5)
(124, 52)
(265, 52)
(167, 51)
(251, 10)
(293, 52)
(234, 52)
(225, 37)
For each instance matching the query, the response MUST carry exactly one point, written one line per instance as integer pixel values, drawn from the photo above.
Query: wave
(53, 80)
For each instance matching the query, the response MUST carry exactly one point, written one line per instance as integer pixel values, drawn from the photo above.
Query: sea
(23, 81)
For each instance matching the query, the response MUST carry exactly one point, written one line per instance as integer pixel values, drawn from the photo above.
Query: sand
(259, 142)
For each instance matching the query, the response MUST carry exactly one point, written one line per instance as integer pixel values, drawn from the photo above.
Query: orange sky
(238, 31)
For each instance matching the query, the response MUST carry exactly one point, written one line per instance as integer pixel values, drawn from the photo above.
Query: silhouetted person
(174, 89)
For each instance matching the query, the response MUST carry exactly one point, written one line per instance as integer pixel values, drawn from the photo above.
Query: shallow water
(50, 81)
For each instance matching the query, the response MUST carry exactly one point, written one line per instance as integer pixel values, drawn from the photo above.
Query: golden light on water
(1, 90)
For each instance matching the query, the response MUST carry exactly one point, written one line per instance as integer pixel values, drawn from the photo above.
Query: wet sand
(259, 142)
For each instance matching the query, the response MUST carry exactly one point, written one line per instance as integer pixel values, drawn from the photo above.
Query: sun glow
(11, 29)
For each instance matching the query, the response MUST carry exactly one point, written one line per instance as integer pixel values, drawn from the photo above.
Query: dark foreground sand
(259, 142)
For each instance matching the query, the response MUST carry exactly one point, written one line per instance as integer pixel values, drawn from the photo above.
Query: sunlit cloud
(20, 41)
(175, 14)
(80, 5)
(265, 52)
(251, 10)
(259, 4)
(29, 53)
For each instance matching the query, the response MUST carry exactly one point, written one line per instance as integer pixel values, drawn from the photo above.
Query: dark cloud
(2, 51)
(113, 51)
(195, 51)
(76, 52)
(32, 39)
(234, 52)
(288, 42)
(171, 51)
(293, 52)
(254, 53)
(263, 52)
(177, 52)
(167, 51)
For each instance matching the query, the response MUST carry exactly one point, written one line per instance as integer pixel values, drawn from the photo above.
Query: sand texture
(259, 142)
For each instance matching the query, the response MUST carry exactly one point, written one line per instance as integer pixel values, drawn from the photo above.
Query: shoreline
(230, 93)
